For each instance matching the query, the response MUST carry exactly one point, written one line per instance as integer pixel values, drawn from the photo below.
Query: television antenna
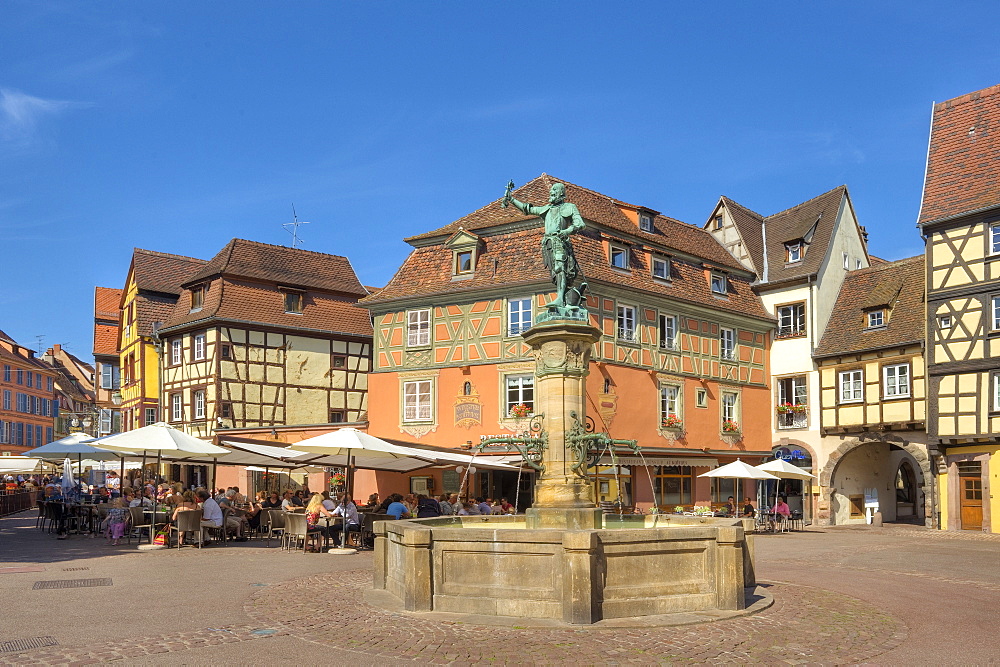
(293, 228)
(39, 338)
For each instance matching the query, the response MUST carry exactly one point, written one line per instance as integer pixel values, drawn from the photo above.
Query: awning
(690, 461)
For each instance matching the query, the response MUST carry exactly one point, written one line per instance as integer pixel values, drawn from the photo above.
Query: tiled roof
(106, 303)
(105, 339)
(515, 258)
(864, 289)
(290, 267)
(150, 309)
(162, 272)
(963, 160)
(595, 208)
(237, 300)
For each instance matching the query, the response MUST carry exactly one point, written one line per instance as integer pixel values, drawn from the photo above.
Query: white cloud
(20, 114)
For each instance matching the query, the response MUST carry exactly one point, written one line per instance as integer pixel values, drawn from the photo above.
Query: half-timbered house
(681, 367)
(960, 221)
(151, 289)
(801, 257)
(873, 397)
(266, 335)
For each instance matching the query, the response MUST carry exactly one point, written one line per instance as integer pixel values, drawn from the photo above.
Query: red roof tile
(899, 285)
(281, 265)
(162, 272)
(107, 301)
(105, 339)
(963, 159)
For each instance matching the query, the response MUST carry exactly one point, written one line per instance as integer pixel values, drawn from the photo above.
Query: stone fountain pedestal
(562, 563)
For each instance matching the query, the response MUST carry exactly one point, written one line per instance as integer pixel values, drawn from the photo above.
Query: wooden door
(971, 496)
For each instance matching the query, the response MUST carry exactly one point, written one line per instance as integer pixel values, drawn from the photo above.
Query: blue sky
(178, 126)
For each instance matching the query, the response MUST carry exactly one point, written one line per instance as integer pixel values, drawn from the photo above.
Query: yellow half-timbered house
(960, 221)
(873, 383)
(266, 335)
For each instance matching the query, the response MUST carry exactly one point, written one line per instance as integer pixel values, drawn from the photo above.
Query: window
(668, 332)
(723, 488)
(857, 264)
(49, 384)
(792, 320)
(110, 377)
(520, 390)
(293, 302)
(850, 386)
(896, 381)
(719, 285)
(701, 398)
(175, 351)
(226, 351)
(996, 312)
(847, 262)
(198, 349)
(718, 222)
(20, 376)
(6, 399)
(945, 322)
(661, 268)
(730, 403)
(995, 239)
(670, 405)
(727, 343)
(463, 262)
(518, 316)
(619, 257)
(48, 434)
(876, 318)
(417, 401)
(792, 402)
(672, 486)
(197, 298)
(418, 328)
(30, 379)
(645, 222)
(29, 439)
(626, 324)
(6, 372)
(176, 411)
(794, 252)
(199, 404)
(104, 423)
(336, 416)
(150, 416)
(339, 361)
(996, 392)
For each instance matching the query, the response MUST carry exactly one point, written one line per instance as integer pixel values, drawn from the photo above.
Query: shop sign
(787, 454)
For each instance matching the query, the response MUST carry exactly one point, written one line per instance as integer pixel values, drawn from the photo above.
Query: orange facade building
(681, 368)
(28, 405)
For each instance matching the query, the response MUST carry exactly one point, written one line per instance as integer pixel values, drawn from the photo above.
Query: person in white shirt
(211, 513)
(327, 503)
(345, 507)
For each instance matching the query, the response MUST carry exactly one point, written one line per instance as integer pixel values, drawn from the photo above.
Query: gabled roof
(162, 272)
(811, 222)
(281, 265)
(963, 157)
(595, 208)
(107, 301)
(105, 339)
(898, 284)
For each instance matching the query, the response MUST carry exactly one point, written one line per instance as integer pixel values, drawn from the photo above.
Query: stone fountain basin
(634, 566)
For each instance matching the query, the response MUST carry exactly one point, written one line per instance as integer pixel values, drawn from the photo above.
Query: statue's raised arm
(561, 220)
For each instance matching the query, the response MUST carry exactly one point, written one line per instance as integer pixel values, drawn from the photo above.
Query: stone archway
(809, 504)
(917, 451)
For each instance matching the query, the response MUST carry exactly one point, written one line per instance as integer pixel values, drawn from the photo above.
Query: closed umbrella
(67, 483)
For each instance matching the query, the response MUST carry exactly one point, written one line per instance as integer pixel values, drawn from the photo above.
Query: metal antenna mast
(293, 228)
(39, 337)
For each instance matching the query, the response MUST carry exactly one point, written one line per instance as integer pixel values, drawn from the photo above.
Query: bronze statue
(561, 219)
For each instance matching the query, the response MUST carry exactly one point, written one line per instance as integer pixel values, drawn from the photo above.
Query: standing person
(116, 520)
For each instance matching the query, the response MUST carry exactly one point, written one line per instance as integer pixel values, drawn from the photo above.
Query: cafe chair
(296, 529)
(138, 521)
(221, 533)
(42, 515)
(188, 521)
(275, 525)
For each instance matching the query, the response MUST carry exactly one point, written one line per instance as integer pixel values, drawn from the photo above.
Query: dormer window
(794, 252)
(463, 262)
(619, 257)
(645, 222)
(720, 284)
(293, 302)
(197, 298)
(876, 318)
(661, 268)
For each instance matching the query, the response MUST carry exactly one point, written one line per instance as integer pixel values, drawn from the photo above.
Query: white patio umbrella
(347, 441)
(784, 470)
(78, 444)
(738, 470)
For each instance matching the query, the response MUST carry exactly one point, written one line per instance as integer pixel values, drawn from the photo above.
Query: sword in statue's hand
(507, 194)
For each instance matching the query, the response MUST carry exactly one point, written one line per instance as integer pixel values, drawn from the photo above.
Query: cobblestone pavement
(842, 596)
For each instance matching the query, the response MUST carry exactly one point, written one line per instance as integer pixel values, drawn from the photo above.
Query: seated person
(327, 502)
(289, 503)
(272, 502)
(506, 507)
(372, 501)
(484, 506)
(748, 508)
(314, 510)
(235, 522)
(396, 507)
(427, 507)
(345, 507)
(781, 507)
(730, 508)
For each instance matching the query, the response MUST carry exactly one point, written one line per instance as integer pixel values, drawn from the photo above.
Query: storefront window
(672, 485)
